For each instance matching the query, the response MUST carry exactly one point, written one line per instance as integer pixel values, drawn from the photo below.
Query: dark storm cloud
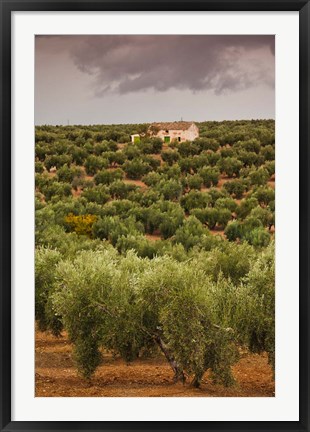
(95, 79)
(133, 63)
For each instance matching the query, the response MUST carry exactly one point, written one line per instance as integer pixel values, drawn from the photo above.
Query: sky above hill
(139, 79)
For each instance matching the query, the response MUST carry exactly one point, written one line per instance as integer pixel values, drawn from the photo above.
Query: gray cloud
(133, 63)
(127, 64)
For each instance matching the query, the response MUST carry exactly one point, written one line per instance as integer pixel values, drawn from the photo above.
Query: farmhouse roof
(178, 125)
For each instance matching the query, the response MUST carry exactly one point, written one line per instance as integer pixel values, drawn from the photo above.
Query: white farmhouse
(179, 131)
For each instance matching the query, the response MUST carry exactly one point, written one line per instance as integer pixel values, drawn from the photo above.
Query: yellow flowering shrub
(81, 224)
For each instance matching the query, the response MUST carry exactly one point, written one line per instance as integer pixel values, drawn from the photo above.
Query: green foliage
(233, 261)
(192, 295)
(190, 233)
(245, 207)
(112, 228)
(136, 168)
(259, 177)
(99, 194)
(235, 188)
(252, 145)
(270, 167)
(170, 156)
(67, 174)
(233, 231)
(264, 195)
(263, 214)
(169, 189)
(138, 243)
(209, 175)
(226, 203)
(230, 166)
(258, 237)
(151, 145)
(39, 167)
(93, 164)
(56, 190)
(45, 264)
(188, 148)
(268, 152)
(195, 199)
(107, 177)
(78, 155)
(131, 305)
(194, 181)
(254, 314)
(207, 144)
(57, 161)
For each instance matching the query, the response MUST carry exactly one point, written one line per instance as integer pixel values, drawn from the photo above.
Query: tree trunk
(178, 373)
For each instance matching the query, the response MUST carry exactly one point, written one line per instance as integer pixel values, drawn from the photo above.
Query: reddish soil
(217, 231)
(272, 182)
(76, 193)
(223, 180)
(51, 174)
(89, 177)
(56, 376)
(158, 157)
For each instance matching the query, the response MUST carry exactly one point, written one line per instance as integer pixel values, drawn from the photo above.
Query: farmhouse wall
(181, 135)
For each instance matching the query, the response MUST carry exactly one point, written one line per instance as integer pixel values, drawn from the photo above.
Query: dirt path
(56, 376)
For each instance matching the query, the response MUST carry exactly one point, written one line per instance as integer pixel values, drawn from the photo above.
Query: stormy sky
(135, 79)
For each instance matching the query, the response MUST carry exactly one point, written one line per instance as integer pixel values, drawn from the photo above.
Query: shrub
(235, 188)
(258, 237)
(57, 161)
(39, 167)
(229, 165)
(254, 313)
(136, 168)
(190, 233)
(226, 203)
(67, 174)
(169, 189)
(194, 181)
(81, 224)
(195, 199)
(45, 264)
(209, 175)
(245, 207)
(120, 190)
(56, 190)
(170, 156)
(93, 164)
(233, 231)
(264, 195)
(98, 194)
(259, 177)
(107, 177)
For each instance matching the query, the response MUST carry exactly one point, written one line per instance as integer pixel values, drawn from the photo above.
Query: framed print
(154, 166)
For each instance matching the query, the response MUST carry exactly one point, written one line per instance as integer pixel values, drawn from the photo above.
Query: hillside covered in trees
(150, 247)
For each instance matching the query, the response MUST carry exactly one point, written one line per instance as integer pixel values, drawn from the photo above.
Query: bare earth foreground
(56, 375)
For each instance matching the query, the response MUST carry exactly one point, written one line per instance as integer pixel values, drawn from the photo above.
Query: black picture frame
(6, 8)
